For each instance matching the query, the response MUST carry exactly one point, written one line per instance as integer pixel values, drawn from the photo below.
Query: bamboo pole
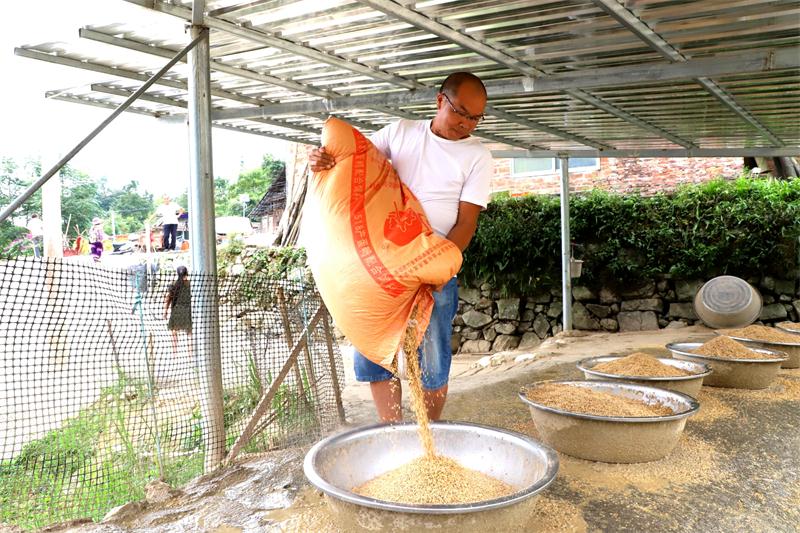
(337, 391)
(266, 400)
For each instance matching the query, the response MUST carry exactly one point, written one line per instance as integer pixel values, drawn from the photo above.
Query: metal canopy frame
(571, 77)
(633, 78)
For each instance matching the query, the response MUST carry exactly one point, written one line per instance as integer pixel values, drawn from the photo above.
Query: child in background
(96, 238)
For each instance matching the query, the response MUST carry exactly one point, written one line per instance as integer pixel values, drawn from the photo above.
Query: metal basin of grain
(613, 439)
(732, 373)
(341, 462)
(690, 384)
(789, 327)
(792, 350)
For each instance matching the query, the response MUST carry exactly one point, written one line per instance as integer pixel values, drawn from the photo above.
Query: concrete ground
(736, 467)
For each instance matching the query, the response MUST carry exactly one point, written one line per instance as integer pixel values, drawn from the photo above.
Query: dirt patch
(557, 515)
(693, 462)
(712, 408)
(785, 387)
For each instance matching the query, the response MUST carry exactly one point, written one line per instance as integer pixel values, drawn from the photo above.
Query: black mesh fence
(103, 385)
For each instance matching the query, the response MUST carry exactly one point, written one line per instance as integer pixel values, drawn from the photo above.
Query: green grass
(105, 455)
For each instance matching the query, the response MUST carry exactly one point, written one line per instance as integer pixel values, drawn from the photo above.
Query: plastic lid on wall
(727, 302)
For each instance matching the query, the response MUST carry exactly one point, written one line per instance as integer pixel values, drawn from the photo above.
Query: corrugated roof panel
(283, 51)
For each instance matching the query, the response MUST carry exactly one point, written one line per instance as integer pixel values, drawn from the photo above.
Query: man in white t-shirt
(168, 211)
(449, 172)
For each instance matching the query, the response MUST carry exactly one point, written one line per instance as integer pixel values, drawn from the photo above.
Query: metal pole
(205, 310)
(123, 106)
(52, 240)
(566, 277)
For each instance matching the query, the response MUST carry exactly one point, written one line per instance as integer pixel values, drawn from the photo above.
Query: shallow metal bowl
(690, 384)
(791, 349)
(732, 373)
(341, 462)
(613, 439)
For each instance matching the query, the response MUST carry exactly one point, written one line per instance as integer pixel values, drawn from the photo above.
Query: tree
(254, 183)
(131, 207)
(11, 185)
(80, 200)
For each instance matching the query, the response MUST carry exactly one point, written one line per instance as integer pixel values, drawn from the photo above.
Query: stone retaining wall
(488, 323)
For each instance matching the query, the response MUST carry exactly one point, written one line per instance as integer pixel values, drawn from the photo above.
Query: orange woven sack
(373, 253)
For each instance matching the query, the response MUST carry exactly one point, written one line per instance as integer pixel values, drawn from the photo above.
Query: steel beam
(636, 25)
(723, 65)
(447, 33)
(205, 298)
(123, 73)
(530, 124)
(72, 99)
(727, 100)
(269, 39)
(129, 44)
(101, 88)
(242, 9)
(217, 65)
(785, 151)
(592, 100)
(566, 255)
(106, 105)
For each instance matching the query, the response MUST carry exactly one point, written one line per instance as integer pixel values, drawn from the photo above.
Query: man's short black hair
(452, 82)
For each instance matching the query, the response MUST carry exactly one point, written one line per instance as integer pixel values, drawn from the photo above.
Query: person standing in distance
(168, 211)
(178, 308)
(36, 228)
(449, 171)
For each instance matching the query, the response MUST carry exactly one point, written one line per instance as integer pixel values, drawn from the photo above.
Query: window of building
(533, 166)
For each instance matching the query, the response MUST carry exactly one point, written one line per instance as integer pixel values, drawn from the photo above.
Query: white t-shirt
(439, 172)
(36, 227)
(168, 213)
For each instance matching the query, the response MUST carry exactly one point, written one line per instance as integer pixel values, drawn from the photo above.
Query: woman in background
(178, 305)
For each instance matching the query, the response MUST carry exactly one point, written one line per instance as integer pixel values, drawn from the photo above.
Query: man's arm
(466, 224)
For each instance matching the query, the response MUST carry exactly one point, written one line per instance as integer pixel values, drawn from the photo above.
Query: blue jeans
(434, 354)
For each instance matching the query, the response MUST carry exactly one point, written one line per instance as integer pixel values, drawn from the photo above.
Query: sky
(133, 147)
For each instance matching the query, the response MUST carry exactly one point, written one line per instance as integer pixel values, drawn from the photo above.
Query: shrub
(746, 227)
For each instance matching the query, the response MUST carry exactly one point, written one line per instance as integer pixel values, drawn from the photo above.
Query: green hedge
(746, 227)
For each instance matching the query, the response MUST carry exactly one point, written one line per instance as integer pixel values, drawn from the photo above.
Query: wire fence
(103, 382)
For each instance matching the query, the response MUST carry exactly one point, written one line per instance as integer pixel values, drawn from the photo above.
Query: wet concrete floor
(736, 468)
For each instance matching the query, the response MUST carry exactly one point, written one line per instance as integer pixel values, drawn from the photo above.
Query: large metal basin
(727, 302)
(341, 462)
(686, 384)
(732, 373)
(792, 350)
(613, 439)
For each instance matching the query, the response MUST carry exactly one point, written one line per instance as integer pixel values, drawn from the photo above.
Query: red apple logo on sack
(401, 227)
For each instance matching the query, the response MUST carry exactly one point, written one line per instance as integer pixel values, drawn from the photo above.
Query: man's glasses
(472, 118)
